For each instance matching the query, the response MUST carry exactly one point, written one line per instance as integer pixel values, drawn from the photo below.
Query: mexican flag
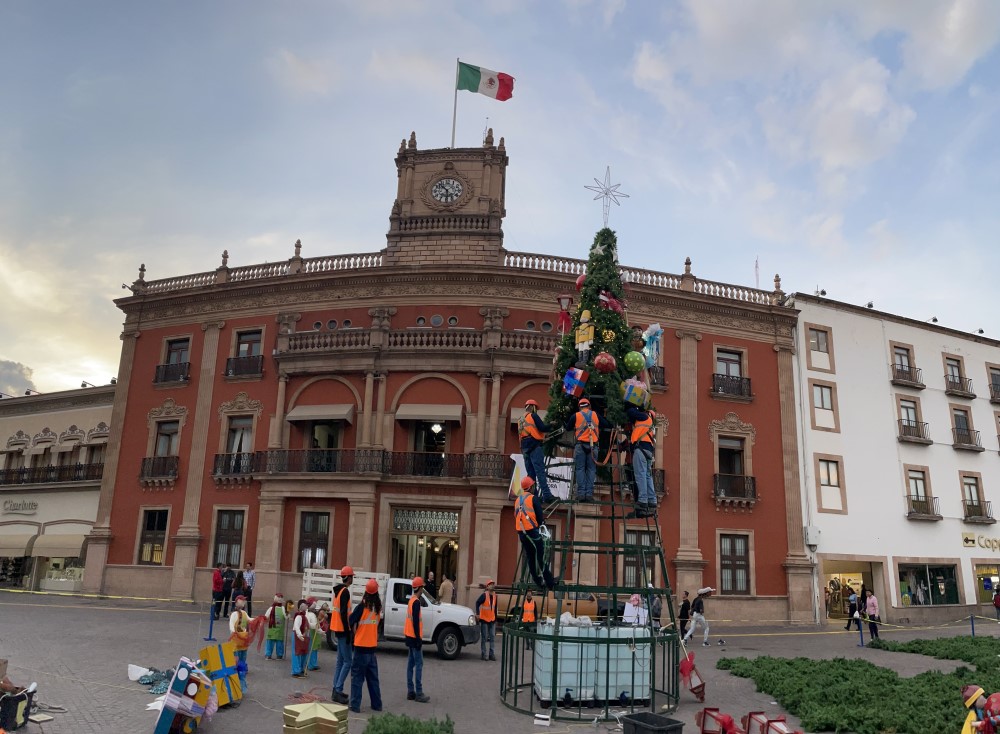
(493, 84)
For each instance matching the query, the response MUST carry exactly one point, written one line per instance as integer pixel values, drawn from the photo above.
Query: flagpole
(454, 109)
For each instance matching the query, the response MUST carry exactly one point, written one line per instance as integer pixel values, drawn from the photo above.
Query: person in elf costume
(300, 640)
(242, 631)
(983, 712)
(317, 618)
(275, 617)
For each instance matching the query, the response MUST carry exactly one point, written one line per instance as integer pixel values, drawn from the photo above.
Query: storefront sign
(971, 540)
(19, 507)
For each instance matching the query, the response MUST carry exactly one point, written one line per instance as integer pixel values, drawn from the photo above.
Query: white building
(899, 455)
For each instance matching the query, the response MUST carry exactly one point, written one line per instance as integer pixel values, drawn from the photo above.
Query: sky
(848, 146)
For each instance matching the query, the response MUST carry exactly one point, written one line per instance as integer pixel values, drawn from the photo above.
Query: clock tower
(449, 205)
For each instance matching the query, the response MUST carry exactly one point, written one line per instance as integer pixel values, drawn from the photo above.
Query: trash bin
(645, 722)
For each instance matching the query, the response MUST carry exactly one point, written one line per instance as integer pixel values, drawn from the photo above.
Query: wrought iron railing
(957, 384)
(172, 372)
(245, 366)
(348, 461)
(424, 464)
(52, 474)
(906, 373)
(922, 505)
(913, 429)
(730, 385)
(159, 467)
(735, 486)
(994, 392)
(233, 464)
(976, 510)
(966, 437)
(492, 466)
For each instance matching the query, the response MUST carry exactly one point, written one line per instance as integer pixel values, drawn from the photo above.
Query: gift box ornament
(635, 395)
(185, 700)
(219, 661)
(575, 381)
(315, 718)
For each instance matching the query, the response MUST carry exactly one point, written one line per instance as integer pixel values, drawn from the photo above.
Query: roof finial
(402, 147)
(488, 140)
(687, 266)
(298, 248)
(225, 258)
(142, 273)
(412, 145)
(777, 282)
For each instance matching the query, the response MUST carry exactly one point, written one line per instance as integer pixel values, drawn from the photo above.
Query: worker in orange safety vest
(413, 631)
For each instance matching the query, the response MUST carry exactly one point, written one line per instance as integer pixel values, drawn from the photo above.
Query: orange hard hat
(584, 402)
(347, 571)
(418, 582)
(372, 586)
(527, 483)
(533, 403)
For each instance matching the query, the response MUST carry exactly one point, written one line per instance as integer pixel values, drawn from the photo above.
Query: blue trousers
(299, 664)
(241, 657)
(364, 669)
(276, 648)
(314, 660)
(415, 668)
(487, 630)
(586, 470)
(534, 465)
(642, 464)
(345, 658)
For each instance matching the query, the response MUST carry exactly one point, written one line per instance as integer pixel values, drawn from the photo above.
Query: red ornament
(580, 280)
(605, 363)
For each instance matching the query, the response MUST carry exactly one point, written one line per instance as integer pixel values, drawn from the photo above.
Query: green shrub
(394, 724)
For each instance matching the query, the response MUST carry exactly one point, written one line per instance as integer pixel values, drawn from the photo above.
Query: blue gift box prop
(574, 381)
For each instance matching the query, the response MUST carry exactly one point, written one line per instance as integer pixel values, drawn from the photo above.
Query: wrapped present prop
(219, 661)
(315, 718)
(185, 700)
(758, 722)
(574, 381)
(713, 721)
(635, 395)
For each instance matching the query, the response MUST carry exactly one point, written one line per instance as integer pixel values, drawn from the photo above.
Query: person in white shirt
(635, 613)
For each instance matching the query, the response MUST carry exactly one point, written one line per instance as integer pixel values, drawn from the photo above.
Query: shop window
(925, 584)
(167, 438)
(638, 569)
(153, 538)
(314, 537)
(987, 581)
(734, 564)
(228, 537)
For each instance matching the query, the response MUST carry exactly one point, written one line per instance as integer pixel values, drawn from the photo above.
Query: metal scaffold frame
(579, 672)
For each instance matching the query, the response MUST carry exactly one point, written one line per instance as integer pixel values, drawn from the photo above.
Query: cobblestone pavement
(77, 649)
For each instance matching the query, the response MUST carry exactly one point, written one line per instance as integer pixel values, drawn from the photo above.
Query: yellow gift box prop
(315, 718)
(219, 661)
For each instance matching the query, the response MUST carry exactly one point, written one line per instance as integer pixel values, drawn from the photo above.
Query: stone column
(486, 563)
(189, 533)
(586, 530)
(268, 560)
(381, 377)
(494, 417)
(481, 416)
(276, 433)
(364, 429)
(799, 568)
(689, 562)
(360, 531)
(100, 534)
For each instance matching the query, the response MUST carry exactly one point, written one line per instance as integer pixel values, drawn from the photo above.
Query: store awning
(516, 414)
(37, 450)
(15, 546)
(64, 447)
(336, 412)
(58, 546)
(426, 412)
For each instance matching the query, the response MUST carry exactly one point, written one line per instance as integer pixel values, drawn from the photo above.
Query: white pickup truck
(449, 626)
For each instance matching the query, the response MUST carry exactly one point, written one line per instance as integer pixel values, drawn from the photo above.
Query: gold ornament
(608, 335)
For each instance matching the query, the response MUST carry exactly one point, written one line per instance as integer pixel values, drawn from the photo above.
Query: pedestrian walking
(586, 426)
(340, 624)
(531, 430)
(217, 587)
(871, 609)
(852, 609)
(446, 590)
(996, 602)
(430, 588)
(698, 614)
(528, 520)
(364, 669)
(300, 640)
(657, 610)
(228, 577)
(643, 447)
(315, 617)
(249, 581)
(486, 610)
(275, 635)
(685, 613)
(413, 631)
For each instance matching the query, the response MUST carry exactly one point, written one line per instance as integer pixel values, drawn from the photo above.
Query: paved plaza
(77, 649)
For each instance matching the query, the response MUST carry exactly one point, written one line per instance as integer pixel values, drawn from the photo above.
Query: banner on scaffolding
(558, 476)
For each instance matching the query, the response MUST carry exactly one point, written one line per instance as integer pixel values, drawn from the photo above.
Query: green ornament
(634, 362)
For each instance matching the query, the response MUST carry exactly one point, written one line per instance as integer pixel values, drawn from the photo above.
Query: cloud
(303, 77)
(15, 378)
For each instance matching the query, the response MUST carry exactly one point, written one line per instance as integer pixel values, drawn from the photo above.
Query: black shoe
(549, 500)
(341, 698)
(422, 698)
(492, 659)
(354, 710)
(411, 696)
(484, 657)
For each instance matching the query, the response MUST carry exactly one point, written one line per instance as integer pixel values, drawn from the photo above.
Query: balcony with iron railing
(737, 490)
(233, 468)
(957, 386)
(907, 376)
(52, 474)
(328, 461)
(966, 439)
(168, 373)
(922, 507)
(425, 464)
(978, 511)
(995, 393)
(159, 471)
(732, 387)
(913, 432)
(247, 366)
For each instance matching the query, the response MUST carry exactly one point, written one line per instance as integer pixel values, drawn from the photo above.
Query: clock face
(447, 190)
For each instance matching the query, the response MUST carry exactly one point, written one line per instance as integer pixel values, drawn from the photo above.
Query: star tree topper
(607, 191)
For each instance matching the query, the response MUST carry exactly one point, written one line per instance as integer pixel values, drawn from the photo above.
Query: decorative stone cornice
(732, 424)
(169, 409)
(242, 403)
(73, 433)
(101, 430)
(46, 435)
(18, 440)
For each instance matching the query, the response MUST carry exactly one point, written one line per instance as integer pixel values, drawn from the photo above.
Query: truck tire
(449, 643)
(331, 643)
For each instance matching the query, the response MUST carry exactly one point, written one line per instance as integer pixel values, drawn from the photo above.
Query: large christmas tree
(607, 362)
